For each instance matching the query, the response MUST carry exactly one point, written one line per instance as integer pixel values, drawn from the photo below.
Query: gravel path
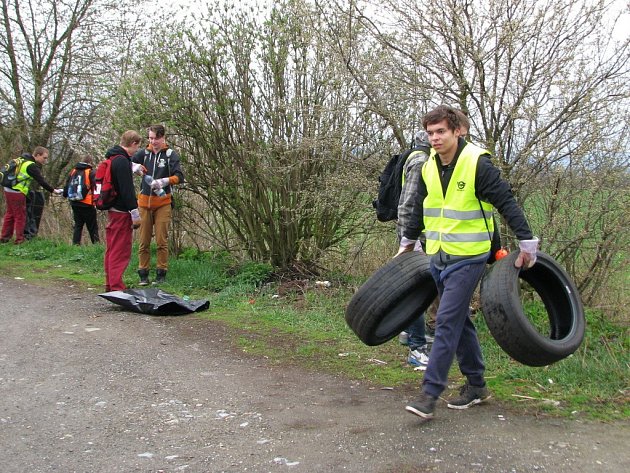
(87, 387)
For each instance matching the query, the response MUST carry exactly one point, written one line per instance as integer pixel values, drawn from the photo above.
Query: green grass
(306, 327)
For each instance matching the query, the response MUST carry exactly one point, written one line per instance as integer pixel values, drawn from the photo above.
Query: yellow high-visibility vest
(23, 178)
(455, 221)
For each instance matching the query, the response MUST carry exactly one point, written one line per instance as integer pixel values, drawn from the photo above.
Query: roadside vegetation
(302, 322)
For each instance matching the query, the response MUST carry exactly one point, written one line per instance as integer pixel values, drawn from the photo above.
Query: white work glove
(138, 169)
(527, 257)
(57, 191)
(407, 245)
(135, 218)
(158, 184)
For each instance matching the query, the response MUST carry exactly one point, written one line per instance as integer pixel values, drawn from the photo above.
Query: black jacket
(490, 188)
(122, 179)
(35, 171)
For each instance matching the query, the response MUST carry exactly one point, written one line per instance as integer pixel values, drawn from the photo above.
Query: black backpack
(9, 172)
(390, 185)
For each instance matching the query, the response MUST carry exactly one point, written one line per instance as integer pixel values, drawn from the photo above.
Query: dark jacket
(490, 188)
(160, 164)
(122, 179)
(80, 167)
(35, 171)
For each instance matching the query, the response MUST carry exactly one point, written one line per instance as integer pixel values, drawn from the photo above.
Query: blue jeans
(455, 333)
(416, 332)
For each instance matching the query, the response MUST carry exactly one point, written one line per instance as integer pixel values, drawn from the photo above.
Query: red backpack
(104, 193)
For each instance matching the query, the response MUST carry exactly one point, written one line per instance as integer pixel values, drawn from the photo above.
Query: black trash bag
(154, 301)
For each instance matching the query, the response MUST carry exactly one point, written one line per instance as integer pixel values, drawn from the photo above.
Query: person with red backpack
(122, 212)
(79, 192)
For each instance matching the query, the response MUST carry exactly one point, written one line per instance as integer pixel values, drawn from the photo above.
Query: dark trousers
(118, 240)
(84, 215)
(455, 333)
(34, 209)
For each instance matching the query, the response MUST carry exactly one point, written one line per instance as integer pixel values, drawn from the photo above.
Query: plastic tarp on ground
(154, 301)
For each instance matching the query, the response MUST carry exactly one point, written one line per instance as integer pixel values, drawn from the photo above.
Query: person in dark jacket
(83, 210)
(123, 216)
(15, 197)
(459, 188)
(162, 170)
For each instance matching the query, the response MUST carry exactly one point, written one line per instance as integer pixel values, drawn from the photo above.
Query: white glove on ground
(527, 257)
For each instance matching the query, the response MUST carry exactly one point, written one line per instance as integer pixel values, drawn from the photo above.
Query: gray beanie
(421, 139)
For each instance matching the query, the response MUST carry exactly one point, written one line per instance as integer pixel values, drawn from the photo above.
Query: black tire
(391, 299)
(502, 308)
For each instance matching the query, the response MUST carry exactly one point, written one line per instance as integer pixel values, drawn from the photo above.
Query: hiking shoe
(419, 358)
(469, 395)
(423, 407)
(160, 276)
(403, 338)
(144, 277)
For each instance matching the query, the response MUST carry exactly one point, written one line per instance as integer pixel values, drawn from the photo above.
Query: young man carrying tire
(459, 187)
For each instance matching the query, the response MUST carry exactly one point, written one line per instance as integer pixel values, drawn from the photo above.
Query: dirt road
(86, 387)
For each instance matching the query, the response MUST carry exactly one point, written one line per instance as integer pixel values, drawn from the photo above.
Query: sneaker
(469, 395)
(403, 338)
(423, 407)
(419, 358)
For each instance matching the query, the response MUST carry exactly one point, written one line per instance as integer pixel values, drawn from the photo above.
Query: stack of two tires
(402, 289)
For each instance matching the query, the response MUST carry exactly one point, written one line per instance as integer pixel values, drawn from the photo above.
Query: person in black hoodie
(83, 210)
(123, 217)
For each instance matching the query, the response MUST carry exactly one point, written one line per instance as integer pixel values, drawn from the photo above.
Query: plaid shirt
(410, 204)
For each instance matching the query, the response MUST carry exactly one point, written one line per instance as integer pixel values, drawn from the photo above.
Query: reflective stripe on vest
(24, 179)
(455, 222)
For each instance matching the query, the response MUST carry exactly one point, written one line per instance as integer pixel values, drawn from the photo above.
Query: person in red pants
(123, 217)
(15, 197)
